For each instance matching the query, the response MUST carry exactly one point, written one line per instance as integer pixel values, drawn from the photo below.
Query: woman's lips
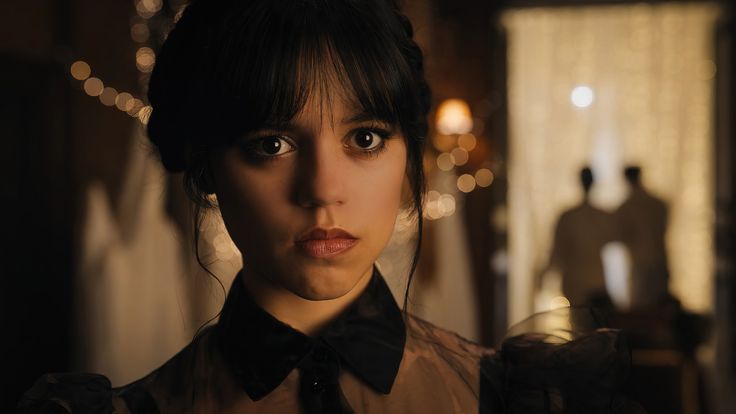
(322, 243)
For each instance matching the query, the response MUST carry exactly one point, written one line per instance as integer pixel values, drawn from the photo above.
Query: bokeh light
(134, 105)
(139, 32)
(453, 117)
(80, 70)
(443, 143)
(93, 86)
(582, 96)
(439, 205)
(148, 8)
(466, 183)
(145, 59)
(484, 177)
(467, 141)
(108, 95)
(448, 202)
(124, 101)
(459, 156)
(444, 162)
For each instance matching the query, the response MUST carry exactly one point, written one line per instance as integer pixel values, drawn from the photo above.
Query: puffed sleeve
(74, 393)
(558, 363)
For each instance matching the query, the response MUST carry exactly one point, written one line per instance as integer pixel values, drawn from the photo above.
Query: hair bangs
(272, 60)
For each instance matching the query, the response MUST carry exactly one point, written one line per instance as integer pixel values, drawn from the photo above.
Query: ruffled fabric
(558, 362)
(68, 393)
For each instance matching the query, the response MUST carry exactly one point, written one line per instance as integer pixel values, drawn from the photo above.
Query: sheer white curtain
(133, 307)
(141, 294)
(651, 68)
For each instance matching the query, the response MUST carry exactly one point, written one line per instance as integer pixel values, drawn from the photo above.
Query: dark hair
(586, 178)
(633, 174)
(232, 66)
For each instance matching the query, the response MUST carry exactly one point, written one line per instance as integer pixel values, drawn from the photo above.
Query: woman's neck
(304, 315)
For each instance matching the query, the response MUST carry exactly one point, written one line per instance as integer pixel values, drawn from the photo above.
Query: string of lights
(145, 58)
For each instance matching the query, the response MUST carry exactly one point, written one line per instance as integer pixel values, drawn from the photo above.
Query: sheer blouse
(371, 359)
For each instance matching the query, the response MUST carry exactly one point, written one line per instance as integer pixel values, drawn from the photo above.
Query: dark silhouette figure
(642, 218)
(580, 234)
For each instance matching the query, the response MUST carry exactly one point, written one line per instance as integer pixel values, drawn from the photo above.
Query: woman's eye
(367, 140)
(270, 146)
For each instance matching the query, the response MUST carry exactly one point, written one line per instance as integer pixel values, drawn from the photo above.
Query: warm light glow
(145, 114)
(80, 70)
(467, 141)
(443, 143)
(448, 202)
(139, 32)
(459, 156)
(582, 96)
(124, 101)
(483, 177)
(453, 117)
(433, 211)
(466, 183)
(439, 205)
(135, 105)
(108, 95)
(144, 59)
(444, 162)
(148, 8)
(93, 87)
(559, 302)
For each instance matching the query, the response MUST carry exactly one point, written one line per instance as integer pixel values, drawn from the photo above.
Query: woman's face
(312, 204)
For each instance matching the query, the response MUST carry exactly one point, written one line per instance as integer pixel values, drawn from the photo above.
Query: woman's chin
(326, 283)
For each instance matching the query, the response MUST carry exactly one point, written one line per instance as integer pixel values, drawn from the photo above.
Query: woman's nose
(322, 174)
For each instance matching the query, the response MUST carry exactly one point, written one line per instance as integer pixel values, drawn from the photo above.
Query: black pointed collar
(368, 337)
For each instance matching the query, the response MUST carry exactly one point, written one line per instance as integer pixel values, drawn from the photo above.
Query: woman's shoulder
(84, 393)
(69, 393)
(424, 334)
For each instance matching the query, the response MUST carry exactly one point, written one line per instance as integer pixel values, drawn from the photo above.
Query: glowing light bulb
(453, 117)
(582, 96)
